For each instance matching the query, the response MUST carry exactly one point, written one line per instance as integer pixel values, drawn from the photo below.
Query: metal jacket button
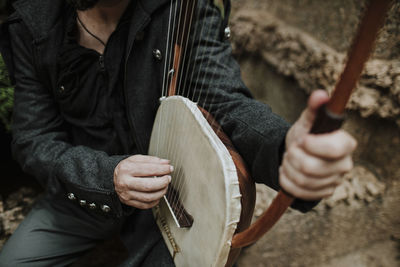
(227, 33)
(71, 196)
(62, 89)
(105, 208)
(92, 206)
(82, 202)
(157, 54)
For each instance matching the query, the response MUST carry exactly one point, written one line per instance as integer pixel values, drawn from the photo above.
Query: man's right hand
(135, 182)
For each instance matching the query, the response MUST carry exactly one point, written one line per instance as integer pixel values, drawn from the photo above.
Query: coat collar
(150, 6)
(40, 16)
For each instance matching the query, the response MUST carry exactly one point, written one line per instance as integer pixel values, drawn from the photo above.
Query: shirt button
(82, 202)
(71, 196)
(227, 33)
(157, 54)
(92, 206)
(105, 208)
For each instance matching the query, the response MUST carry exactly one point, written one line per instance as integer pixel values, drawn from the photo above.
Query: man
(89, 77)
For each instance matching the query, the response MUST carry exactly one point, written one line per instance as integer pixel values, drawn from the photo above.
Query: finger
(147, 159)
(308, 182)
(313, 166)
(147, 184)
(141, 205)
(149, 169)
(145, 197)
(317, 99)
(305, 194)
(334, 145)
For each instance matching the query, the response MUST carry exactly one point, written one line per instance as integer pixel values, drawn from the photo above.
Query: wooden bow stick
(330, 116)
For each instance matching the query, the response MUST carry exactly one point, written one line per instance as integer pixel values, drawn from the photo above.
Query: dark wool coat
(30, 40)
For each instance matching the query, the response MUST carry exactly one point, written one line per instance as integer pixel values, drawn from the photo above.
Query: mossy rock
(6, 96)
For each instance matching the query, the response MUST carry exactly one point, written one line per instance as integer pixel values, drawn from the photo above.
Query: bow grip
(326, 121)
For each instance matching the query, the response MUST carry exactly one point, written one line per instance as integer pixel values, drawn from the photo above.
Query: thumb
(303, 125)
(317, 99)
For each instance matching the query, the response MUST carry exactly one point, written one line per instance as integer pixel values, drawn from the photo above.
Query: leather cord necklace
(89, 32)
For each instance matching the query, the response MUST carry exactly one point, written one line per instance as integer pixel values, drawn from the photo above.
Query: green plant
(6, 96)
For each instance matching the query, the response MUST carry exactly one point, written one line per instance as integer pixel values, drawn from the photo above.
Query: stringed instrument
(204, 218)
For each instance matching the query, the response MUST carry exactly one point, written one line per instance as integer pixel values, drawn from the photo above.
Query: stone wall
(288, 48)
(316, 63)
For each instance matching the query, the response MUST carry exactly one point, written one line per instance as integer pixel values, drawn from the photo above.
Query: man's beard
(83, 4)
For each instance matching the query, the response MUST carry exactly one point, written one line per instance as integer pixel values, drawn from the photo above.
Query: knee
(8, 258)
(12, 254)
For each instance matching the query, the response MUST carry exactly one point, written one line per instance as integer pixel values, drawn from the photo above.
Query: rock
(263, 199)
(1, 217)
(373, 189)
(1, 205)
(13, 210)
(23, 197)
(359, 190)
(313, 64)
(12, 218)
(395, 89)
(359, 185)
(340, 194)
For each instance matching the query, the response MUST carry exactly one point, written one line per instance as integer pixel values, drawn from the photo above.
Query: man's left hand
(313, 165)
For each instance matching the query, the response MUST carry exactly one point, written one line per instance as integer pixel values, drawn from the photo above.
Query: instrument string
(201, 57)
(179, 187)
(180, 174)
(201, 90)
(186, 42)
(215, 62)
(178, 177)
(161, 123)
(203, 80)
(171, 51)
(174, 149)
(178, 37)
(182, 183)
(212, 101)
(170, 147)
(190, 58)
(165, 76)
(205, 101)
(172, 55)
(175, 180)
(167, 63)
(183, 193)
(179, 182)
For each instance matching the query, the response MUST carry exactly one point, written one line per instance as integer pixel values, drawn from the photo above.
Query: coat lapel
(143, 73)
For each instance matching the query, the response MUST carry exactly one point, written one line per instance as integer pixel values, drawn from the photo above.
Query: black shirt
(92, 100)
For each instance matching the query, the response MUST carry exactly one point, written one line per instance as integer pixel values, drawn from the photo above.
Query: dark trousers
(57, 232)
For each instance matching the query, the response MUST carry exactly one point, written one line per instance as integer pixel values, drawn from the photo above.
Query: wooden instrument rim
(246, 184)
